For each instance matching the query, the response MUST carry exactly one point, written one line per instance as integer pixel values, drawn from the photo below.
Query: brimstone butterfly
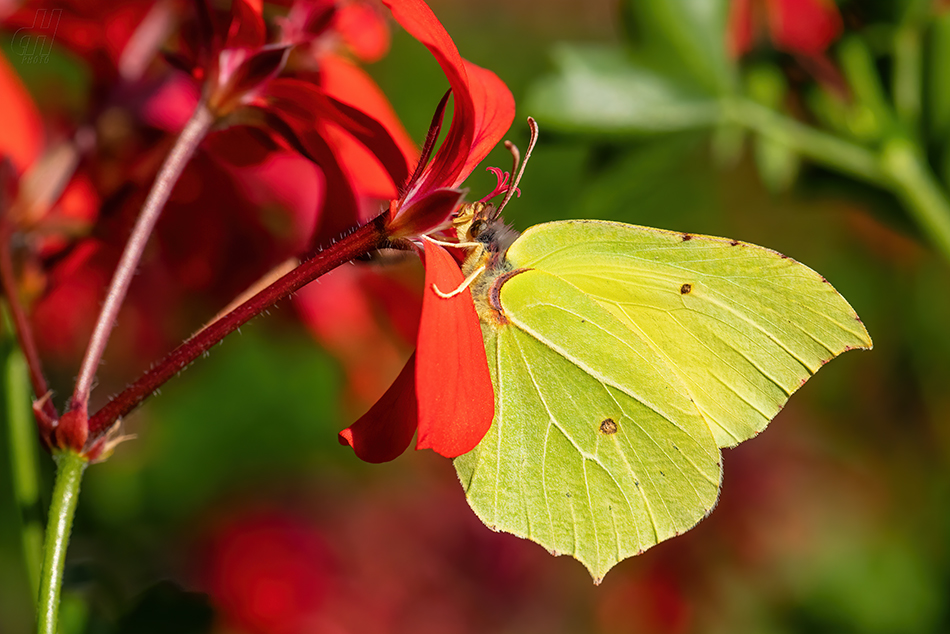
(623, 358)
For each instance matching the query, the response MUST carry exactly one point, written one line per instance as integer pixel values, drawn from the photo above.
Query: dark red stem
(21, 324)
(188, 141)
(363, 240)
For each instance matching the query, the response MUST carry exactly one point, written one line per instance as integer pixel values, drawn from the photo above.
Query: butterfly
(623, 359)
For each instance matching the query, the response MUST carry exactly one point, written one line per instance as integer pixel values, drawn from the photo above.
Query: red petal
(350, 84)
(484, 107)
(494, 112)
(417, 18)
(806, 27)
(385, 431)
(453, 386)
(254, 73)
(364, 29)
(304, 103)
(340, 204)
(247, 25)
(425, 215)
(739, 34)
(21, 134)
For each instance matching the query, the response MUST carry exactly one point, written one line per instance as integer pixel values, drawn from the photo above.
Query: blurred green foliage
(834, 520)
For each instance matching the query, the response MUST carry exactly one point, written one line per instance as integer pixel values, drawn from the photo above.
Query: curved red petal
(364, 29)
(247, 28)
(384, 432)
(483, 105)
(417, 18)
(426, 214)
(351, 85)
(340, 201)
(494, 113)
(376, 150)
(453, 386)
(806, 27)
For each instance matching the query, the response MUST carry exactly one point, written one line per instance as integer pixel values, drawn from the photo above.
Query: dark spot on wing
(686, 288)
(608, 426)
(734, 243)
(686, 237)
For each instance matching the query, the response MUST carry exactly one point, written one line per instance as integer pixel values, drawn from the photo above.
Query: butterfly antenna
(533, 125)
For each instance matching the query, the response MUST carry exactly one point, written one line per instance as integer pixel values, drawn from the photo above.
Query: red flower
(445, 390)
(21, 135)
(803, 27)
(240, 71)
(269, 573)
(106, 34)
(326, 144)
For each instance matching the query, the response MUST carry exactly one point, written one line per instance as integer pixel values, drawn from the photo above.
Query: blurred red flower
(308, 155)
(802, 27)
(403, 556)
(268, 573)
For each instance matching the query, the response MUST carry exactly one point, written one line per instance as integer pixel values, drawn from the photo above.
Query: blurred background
(236, 510)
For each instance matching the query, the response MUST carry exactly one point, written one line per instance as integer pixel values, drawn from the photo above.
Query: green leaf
(623, 357)
(938, 79)
(778, 164)
(602, 90)
(854, 120)
(859, 68)
(686, 35)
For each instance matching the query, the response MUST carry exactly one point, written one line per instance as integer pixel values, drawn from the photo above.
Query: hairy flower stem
(62, 508)
(194, 131)
(365, 239)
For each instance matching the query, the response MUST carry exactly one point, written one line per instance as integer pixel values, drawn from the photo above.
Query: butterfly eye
(476, 228)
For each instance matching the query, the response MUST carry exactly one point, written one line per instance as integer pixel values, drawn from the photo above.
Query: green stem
(820, 147)
(69, 470)
(912, 180)
(908, 76)
(24, 470)
(899, 168)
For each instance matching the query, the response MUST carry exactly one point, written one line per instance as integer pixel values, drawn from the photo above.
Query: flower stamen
(533, 125)
(502, 184)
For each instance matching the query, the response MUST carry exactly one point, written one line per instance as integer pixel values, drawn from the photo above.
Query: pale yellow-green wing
(596, 449)
(742, 326)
